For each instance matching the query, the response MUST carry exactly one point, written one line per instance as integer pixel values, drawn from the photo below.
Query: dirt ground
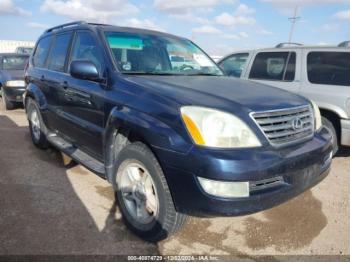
(47, 207)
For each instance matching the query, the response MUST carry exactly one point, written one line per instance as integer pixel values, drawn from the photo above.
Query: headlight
(213, 128)
(224, 189)
(15, 83)
(318, 119)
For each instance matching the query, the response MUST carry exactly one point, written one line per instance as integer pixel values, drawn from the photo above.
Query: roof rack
(344, 44)
(99, 24)
(280, 45)
(65, 25)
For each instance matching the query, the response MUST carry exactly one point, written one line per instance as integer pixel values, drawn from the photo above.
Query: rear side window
(41, 52)
(329, 68)
(275, 66)
(234, 65)
(57, 57)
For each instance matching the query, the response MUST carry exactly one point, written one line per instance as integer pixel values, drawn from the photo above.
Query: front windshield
(150, 54)
(14, 62)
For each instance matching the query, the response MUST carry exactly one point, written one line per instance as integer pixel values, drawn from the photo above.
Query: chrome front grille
(287, 125)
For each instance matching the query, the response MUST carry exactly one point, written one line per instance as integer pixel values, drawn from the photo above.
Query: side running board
(81, 157)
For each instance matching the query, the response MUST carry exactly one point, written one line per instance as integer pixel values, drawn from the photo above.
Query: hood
(11, 75)
(220, 92)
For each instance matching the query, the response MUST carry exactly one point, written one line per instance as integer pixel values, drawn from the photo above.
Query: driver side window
(85, 48)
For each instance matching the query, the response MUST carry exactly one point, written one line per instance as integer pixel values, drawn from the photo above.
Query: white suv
(321, 74)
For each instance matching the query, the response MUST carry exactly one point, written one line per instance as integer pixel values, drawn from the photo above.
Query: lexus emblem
(297, 123)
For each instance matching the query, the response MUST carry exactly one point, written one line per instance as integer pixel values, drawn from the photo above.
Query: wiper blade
(147, 73)
(202, 74)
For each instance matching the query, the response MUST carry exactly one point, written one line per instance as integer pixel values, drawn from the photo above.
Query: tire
(6, 104)
(36, 125)
(163, 219)
(332, 129)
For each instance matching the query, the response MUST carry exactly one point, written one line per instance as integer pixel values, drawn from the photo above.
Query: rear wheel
(36, 125)
(332, 129)
(143, 195)
(6, 103)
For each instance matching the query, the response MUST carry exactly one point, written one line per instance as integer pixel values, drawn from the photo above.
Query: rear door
(326, 79)
(38, 75)
(54, 79)
(82, 102)
(279, 68)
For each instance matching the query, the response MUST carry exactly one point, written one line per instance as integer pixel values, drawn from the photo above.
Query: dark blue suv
(175, 137)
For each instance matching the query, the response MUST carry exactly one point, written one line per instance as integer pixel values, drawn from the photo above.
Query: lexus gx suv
(153, 115)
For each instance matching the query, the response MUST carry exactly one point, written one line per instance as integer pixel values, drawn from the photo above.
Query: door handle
(64, 84)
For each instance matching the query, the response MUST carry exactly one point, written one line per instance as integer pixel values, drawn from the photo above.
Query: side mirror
(83, 69)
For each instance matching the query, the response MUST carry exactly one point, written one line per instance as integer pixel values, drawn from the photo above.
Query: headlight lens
(15, 83)
(318, 119)
(224, 189)
(213, 128)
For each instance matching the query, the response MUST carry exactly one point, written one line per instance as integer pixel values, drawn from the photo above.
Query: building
(9, 46)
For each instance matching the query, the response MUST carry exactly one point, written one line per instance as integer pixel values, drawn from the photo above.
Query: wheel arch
(125, 125)
(34, 92)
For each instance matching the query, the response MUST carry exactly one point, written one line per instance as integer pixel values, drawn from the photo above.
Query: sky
(218, 26)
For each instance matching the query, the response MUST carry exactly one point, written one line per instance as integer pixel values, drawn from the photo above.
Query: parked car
(321, 74)
(12, 85)
(172, 142)
(24, 50)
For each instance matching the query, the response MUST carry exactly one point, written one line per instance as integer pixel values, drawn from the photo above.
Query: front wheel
(143, 195)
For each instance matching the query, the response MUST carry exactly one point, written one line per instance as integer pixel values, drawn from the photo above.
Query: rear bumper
(301, 167)
(345, 132)
(14, 94)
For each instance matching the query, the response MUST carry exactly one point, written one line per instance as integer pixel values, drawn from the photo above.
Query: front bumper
(345, 132)
(301, 167)
(14, 94)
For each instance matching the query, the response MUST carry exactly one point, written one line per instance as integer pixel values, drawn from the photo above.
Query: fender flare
(123, 121)
(36, 94)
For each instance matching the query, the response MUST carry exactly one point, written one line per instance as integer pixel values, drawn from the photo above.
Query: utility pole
(293, 20)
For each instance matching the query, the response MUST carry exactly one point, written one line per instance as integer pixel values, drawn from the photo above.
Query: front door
(279, 68)
(82, 104)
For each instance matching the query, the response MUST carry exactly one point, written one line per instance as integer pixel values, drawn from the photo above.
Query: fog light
(224, 188)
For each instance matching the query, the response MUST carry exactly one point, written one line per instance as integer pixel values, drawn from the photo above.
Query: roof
(107, 27)
(302, 47)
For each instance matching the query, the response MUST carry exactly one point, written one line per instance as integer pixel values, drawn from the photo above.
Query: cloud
(188, 17)
(289, 3)
(287, 6)
(8, 8)
(329, 27)
(241, 16)
(182, 6)
(264, 32)
(37, 25)
(146, 23)
(92, 10)
(206, 29)
(342, 15)
(243, 9)
(235, 36)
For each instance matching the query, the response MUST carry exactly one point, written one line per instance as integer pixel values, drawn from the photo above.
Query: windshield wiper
(147, 73)
(202, 74)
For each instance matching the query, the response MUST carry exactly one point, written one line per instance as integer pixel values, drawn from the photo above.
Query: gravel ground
(50, 206)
